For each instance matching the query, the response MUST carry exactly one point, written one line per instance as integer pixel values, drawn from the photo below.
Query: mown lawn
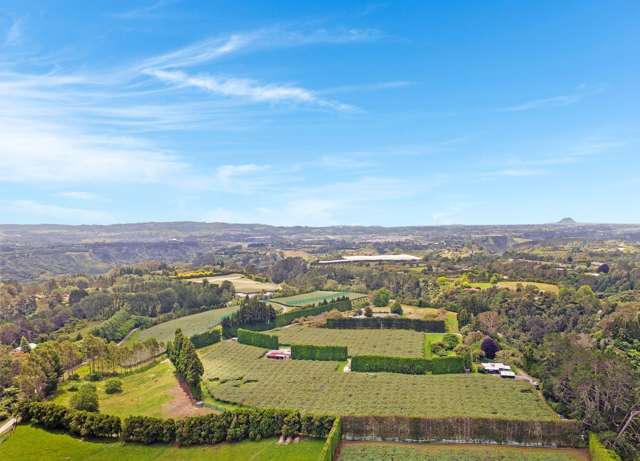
(239, 374)
(374, 451)
(398, 343)
(152, 392)
(29, 443)
(190, 325)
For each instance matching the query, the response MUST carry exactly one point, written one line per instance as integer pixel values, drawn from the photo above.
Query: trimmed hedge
(205, 339)
(310, 352)
(332, 443)
(376, 363)
(253, 338)
(76, 422)
(599, 452)
(398, 323)
(548, 433)
(231, 426)
(147, 430)
(445, 365)
(341, 305)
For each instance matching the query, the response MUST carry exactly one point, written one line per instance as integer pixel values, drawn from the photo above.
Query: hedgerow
(310, 352)
(449, 364)
(432, 326)
(560, 433)
(77, 422)
(598, 451)
(147, 430)
(342, 304)
(376, 363)
(205, 339)
(242, 424)
(333, 441)
(253, 338)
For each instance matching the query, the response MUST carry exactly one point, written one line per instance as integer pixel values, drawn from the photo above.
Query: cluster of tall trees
(186, 361)
(252, 312)
(44, 311)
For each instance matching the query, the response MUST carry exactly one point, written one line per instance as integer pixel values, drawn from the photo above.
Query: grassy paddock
(190, 325)
(239, 374)
(152, 392)
(29, 443)
(241, 283)
(314, 297)
(398, 343)
(374, 451)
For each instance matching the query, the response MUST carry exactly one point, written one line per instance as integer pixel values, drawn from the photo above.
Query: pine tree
(24, 345)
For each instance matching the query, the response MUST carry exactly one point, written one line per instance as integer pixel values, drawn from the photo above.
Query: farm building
(403, 258)
(279, 355)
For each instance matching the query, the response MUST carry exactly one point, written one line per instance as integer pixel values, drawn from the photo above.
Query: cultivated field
(374, 451)
(314, 297)
(399, 343)
(236, 373)
(240, 282)
(29, 443)
(152, 392)
(190, 325)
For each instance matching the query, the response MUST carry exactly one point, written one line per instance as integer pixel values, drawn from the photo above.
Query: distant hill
(29, 252)
(567, 221)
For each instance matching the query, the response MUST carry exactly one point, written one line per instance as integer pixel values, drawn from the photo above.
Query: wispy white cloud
(148, 11)
(581, 92)
(215, 48)
(37, 212)
(78, 195)
(14, 34)
(516, 172)
(367, 87)
(246, 88)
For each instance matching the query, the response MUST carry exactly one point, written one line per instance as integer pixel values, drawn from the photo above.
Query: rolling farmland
(236, 373)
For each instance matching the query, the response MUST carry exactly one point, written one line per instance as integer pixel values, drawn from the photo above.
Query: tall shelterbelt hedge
(309, 352)
(231, 426)
(598, 451)
(377, 363)
(398, 323)
(341, 304)
(445, 365)
(544, 433)
(334, 438)
(253, 338)
(205, 339)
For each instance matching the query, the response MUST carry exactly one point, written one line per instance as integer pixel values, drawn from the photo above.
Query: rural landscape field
(288, 230)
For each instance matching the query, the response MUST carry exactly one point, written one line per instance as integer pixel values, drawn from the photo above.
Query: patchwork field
(314, 297)
(29, 443)
(237, 373)
(374, 451)
(152, 392)
(190, 325)
(400, 343)
(241, 283)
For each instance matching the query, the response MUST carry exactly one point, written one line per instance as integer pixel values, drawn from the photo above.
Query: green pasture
(314, 297)
(378, 451)
(190, 325)
(33, 444)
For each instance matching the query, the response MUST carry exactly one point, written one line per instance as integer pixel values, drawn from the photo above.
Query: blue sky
(319, 113)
